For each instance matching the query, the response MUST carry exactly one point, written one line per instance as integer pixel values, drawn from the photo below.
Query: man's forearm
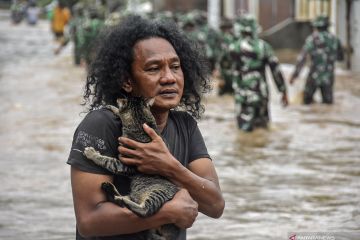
(118, 221)
(206, 192)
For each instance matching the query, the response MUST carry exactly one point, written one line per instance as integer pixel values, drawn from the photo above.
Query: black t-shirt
(101, 128)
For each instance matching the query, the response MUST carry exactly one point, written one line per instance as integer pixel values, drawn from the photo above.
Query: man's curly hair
(112, 64)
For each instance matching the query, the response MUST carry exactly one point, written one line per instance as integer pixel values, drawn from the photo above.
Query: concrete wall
(288, 34)
(273, 12)
(355, 38)
(339, 28)
(178, 5)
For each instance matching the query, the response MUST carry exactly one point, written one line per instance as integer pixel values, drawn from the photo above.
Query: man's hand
(151, 158)
(284, 100)
(182, 209)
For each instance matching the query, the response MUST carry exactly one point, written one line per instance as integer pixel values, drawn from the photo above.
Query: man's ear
(127, 86)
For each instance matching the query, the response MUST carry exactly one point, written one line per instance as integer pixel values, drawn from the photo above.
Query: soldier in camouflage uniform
(75, 33)
(324, 49)
(76, 30)
(92, 28)
(250, 56)
(196, 27)
(225, 61)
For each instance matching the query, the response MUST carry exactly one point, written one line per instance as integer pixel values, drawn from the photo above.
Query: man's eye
(176, 67)
(152, 69)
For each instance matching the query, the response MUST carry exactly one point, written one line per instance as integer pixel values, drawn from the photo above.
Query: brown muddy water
(302, 175)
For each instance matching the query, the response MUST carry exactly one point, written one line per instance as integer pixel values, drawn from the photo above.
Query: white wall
(355, 38)
(213, 13)
(340, 30)
(340, 23)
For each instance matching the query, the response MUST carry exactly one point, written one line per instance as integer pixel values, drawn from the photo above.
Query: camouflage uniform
(225, 61)
(324, 49)
(250, 56)
(194, 24)
(92, 27)
(76, 29)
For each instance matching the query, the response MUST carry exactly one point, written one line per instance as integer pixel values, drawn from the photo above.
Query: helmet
(247, 23)
(320, 21)
(187, 20)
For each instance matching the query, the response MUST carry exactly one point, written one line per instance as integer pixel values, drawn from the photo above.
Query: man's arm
(200, 179)
(301, 59)
(274, 65)
(97, 217)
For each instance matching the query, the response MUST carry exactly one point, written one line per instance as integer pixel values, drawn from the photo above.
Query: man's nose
(168, 76)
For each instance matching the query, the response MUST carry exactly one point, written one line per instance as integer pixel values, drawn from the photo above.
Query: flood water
(302, 175)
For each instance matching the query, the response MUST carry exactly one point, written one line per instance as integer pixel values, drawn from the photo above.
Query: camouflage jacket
(250, 58)
(225, 61)
(208, 38)
(324, 49)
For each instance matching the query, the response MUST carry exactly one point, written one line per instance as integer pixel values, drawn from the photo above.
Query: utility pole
(349, 48)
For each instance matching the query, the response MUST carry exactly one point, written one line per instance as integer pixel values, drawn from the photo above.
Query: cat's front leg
(111, 164)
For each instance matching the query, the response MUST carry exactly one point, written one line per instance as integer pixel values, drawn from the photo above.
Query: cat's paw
(90, 152)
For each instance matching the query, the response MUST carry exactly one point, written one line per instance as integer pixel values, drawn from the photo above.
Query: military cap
(320, 21)
(247, 23)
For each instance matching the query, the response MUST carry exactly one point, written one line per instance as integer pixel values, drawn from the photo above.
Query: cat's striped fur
(147, 192)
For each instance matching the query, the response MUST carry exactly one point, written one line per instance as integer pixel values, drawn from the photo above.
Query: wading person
(251, 55)
(324, 49)
(149, 59)
(59, 19)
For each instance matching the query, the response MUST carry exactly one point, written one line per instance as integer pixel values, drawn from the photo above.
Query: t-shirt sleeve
(197, 147)
(100, 129)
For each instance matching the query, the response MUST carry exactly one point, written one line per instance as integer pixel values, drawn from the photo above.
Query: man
(197, 29)
(149, 59)
(251, 55)
(324, 49)
(225, 61)
(91, 29)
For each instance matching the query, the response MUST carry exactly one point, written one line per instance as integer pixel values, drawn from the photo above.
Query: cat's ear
(150, 101)
(121, 102)
(127, 86)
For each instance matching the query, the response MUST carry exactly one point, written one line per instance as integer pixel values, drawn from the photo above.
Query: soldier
(324, 49)
(75, 32)
(92, 28)
(250, 56)
(196, 27)
(225, 61)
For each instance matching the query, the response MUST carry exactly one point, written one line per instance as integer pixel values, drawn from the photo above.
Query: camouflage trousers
(250, 117)
(310, 89)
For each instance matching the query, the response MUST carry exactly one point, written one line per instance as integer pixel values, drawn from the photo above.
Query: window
(306, 10)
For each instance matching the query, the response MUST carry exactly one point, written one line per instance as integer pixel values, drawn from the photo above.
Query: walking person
(60, 17)
(324, 50)
(251, 56)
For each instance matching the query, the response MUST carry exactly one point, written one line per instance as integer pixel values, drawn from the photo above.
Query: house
(285, 23)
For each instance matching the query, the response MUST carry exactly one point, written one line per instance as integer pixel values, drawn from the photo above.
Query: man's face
(156, 72)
